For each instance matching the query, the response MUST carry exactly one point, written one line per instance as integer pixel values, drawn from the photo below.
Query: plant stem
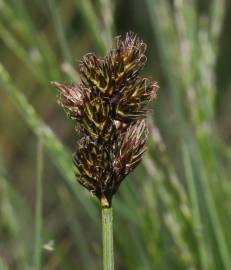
(38, 210)
(107, 232)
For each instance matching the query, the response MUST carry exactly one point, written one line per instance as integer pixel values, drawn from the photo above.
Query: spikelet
(110, 105)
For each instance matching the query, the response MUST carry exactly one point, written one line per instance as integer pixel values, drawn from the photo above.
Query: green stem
(38, 210)
(107, 232)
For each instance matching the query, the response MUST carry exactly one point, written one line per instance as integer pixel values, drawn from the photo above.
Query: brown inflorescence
(110, 106)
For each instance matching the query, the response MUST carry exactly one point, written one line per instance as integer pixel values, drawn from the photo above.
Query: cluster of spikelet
(110, 106)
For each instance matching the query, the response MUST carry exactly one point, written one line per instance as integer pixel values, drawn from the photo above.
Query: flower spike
(110, 106)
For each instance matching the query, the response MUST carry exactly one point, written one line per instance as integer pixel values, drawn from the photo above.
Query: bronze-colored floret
(110, 105)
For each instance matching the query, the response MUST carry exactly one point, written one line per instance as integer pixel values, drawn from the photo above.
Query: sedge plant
(110, 106)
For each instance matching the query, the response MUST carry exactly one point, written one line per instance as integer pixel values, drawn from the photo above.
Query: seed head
(110, 107)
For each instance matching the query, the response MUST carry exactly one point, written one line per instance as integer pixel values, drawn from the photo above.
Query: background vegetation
(174, 211)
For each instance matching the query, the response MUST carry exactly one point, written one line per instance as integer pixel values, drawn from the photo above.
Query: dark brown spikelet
(110, 105)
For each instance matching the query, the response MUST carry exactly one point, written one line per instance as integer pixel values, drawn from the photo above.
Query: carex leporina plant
(110, 106)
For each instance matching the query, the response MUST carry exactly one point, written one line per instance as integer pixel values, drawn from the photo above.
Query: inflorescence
(110, 107)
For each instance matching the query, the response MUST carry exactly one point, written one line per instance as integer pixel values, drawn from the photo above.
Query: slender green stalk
(56, 19)
(196, 212)
(107, 232)
(38, 210)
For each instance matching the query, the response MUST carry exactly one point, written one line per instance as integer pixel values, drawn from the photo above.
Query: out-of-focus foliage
(173, 212)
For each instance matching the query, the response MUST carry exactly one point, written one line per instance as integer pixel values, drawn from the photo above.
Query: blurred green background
(174, 211)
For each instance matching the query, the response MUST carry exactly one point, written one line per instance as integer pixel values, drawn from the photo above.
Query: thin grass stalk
(107, 234)
(214, 216)
(197, 221)
(171, 215)
(165, 33)
(39, 205)
(77, 229)
(12, 43)
(18, 216)
(92, 22)
(23, 27)
(216, 21)
(107, 10)
(164, 30)
(57, 23)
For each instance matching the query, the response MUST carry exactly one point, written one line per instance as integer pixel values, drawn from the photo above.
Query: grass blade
(39, 205)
